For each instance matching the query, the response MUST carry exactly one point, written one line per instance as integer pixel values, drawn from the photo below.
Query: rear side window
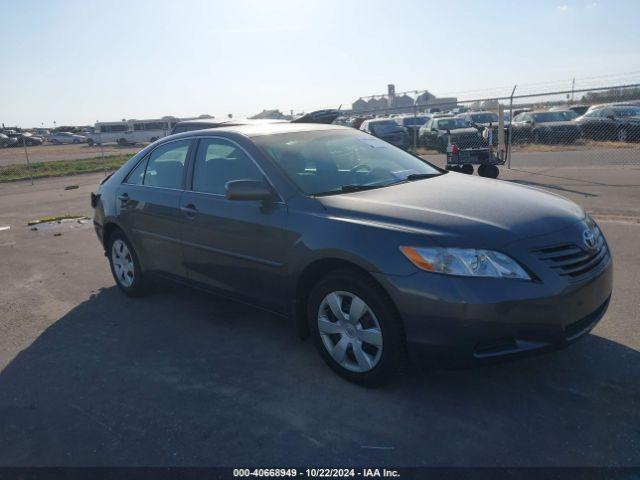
(166, 163)
(219, 161)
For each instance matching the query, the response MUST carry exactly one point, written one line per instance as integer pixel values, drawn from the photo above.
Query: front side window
(328, 161)
(166, 165)
(218, 162)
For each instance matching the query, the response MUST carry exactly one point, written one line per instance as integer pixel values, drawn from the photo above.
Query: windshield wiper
(349, 188)
(420, 176)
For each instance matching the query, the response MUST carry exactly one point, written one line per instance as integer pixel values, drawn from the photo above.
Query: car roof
(273, 128)
(229, 121)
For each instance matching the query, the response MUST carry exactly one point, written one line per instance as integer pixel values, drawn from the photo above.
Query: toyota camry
(374, 253)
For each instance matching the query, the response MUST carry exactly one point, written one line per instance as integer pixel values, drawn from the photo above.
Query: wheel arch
(311, 274)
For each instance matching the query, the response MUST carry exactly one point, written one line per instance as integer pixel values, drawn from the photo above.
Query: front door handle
(189, 210)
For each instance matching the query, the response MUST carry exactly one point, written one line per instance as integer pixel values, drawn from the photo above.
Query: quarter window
(166, 165)
(218, 162)
(137, 174)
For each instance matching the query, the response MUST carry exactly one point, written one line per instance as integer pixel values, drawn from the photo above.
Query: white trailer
(132, 131)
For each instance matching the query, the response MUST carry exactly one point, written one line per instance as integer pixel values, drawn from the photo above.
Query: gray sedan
(374, 253)
(59, 138)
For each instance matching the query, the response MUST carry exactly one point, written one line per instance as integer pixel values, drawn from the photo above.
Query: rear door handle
(189, 210)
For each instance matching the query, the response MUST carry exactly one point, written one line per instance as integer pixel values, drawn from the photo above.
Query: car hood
(458, 210)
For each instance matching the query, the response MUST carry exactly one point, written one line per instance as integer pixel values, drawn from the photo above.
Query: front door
(237, 247)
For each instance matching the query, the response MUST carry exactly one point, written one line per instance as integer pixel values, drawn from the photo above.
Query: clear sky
(76, 62)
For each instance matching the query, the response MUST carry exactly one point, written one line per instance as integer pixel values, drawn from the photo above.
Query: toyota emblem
(589, 240)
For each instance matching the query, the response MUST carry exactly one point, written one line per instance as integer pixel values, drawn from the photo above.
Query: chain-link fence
(573, 127)
(581, 124)
(29, 155)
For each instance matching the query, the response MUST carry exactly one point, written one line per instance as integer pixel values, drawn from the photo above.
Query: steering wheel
(361, 167)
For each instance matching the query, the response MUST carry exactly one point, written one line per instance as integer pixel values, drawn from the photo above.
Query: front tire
(356, 328)
(125, 266)
(622, 135)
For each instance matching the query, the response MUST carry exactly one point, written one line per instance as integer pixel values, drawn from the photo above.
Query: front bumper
(489, 318)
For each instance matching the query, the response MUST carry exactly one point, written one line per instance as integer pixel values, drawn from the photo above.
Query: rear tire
(488, 171)
(367, 349)
(90, 142)
(124, 264)
(466, 169)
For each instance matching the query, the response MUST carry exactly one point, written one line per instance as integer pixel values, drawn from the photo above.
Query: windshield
(548, 117)
(327, 161)
(627, 112)
(451, 123)
(407, 121)
(383, 128)
(484, 118)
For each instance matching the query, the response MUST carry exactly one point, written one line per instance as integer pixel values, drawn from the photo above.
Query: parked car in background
(567, 114)
(437, 131)
(544, 127)
(578, 109)
(621, 123)
(484, 119)
(387, 130)
(412, 124)
(6, 141)
(372, 252)
(60, 138)
(25, 139)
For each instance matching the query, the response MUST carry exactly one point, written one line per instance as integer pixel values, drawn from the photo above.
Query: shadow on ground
(179, 378)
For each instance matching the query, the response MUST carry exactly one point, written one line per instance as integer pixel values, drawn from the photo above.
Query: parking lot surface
(90, 377)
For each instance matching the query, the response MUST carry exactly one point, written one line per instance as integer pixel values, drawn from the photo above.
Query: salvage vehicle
(387, 130)
(412, 123)
(6, 141)
(376, 254)
(60, 138)
(24, 139)
(621, 123)
(439, 132)
(544, 127)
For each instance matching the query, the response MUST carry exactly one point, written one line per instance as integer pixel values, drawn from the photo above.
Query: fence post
(510, 120)
(104, 166)
(26, 154)
(415, 130)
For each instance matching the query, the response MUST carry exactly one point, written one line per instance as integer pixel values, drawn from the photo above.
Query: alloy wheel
(350, 331)
(122, 263)
(622, 135)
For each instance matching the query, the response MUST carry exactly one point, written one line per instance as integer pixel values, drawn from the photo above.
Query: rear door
(149, 207)
(237, 247)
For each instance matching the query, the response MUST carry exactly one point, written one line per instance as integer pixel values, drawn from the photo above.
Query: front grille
(572, 261)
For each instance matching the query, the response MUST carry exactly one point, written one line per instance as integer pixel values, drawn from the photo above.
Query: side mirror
(247, 190)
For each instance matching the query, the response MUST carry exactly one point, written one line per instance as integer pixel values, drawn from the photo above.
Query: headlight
(466, 262)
